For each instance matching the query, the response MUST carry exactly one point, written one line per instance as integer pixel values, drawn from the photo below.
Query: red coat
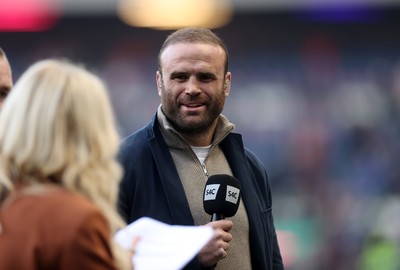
(54, 229)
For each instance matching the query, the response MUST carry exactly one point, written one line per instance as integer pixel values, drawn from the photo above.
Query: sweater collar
(175, 140)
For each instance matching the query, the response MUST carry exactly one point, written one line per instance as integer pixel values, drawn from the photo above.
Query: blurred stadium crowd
(318, 102)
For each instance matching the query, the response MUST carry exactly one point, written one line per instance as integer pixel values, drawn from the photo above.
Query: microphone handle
(214, 217)
(217, 216)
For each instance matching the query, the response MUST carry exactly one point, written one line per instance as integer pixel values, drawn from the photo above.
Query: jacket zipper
(203, 165)
(204, 169)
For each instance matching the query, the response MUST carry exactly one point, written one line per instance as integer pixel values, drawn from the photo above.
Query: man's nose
(193, 87)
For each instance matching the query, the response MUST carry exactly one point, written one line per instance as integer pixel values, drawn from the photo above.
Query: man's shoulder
(136, 144)
(137, 137)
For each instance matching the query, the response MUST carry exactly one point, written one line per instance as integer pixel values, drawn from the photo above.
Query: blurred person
(6, 82)
(58, 172)
(168, 162)
(380, 253)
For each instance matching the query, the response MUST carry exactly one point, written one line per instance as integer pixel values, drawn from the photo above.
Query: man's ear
(227, 83)
(159, 81)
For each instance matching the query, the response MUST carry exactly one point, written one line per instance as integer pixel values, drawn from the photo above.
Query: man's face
(192, 85)
(5, 79)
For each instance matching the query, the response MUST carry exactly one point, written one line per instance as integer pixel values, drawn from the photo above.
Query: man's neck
(200, 139)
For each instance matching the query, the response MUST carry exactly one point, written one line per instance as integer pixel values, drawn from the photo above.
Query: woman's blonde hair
(57, 126)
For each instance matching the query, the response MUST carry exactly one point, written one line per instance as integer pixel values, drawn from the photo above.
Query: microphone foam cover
(221, 195)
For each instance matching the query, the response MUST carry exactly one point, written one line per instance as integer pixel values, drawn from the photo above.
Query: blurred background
(315, 93)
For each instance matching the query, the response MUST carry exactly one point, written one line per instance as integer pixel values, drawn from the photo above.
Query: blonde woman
(58, 173)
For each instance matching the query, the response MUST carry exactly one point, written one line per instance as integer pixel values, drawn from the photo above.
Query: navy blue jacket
(151, 187)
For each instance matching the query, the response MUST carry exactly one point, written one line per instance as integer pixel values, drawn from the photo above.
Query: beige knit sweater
(194, 176)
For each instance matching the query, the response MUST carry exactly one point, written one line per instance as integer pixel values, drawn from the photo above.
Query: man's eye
(180, 78)
(206, 78)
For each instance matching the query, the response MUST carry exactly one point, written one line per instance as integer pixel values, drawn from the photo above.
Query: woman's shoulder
(53, 203)
(62, 226)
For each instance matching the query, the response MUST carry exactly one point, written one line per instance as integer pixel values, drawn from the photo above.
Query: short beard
(180, 123)
(184, 127)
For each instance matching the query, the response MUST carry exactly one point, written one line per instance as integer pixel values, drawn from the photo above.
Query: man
(168, 162)
(5, 77)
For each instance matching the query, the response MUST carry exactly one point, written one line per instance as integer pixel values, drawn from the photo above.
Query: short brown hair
(193, 35)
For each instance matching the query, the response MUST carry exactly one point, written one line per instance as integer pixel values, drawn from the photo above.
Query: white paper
(163, 246)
